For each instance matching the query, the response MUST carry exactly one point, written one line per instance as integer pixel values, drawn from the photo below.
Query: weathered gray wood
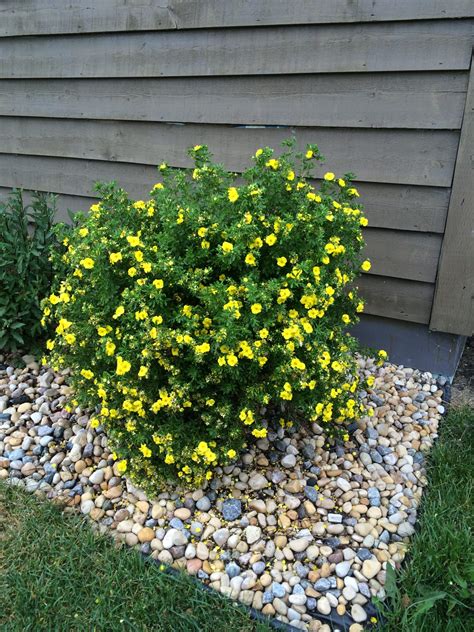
(404, 207)
(428, 100)
(391, 156)
(396, 298)
(425, 45)
(453, 307)
(403, 255)
(386, 205)
(31, 17)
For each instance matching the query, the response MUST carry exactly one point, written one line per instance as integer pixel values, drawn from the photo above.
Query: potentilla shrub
(189, 317)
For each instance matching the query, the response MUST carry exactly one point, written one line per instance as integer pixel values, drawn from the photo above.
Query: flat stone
(221, 536)
(174, 537)
(371, 567)
(257, 482)
(298, 545)
(288, 461)
(203, 504)
(358, 613)
(342, 569)
(343, 484)
(252, 534)
(323, 606)
(146, 534)
(231, 509)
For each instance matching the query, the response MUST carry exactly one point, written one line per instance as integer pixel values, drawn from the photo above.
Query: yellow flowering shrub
(196, 315)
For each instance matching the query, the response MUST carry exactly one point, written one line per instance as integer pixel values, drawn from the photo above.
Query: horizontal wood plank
(403, 255)
(390, 156)
(386, 205)
(396, 298)
(425, 45)
(433, 100)
(34, 17)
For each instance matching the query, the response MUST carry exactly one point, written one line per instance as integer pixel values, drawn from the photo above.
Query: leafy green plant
(26, 239)
(188, 318)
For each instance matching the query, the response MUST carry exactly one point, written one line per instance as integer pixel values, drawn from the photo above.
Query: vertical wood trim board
(453, 306)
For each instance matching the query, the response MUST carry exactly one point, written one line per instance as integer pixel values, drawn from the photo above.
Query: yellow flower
(138, 254)
(169, 458)
(346, 318)
(115, 256)
(50, 345)
(158, 186)
(383, 354)
(158, 283)
(256, 308)
(102, 331)
(366, 265)
(370, 380)
(210, 402)
(297, 364)
(364, 221)
(205, 245)
(145, 450)
(197, 147)
(133, 240)
(205, 347)
(313, 197)
(143, 371)
(282, 261)
(341, 182)
(259, 152)
(119, 311)
(123, 366)
(233, 194)
(83, 232)
(263, 333)
(70, 339)
(227, 246)
(232, 359)
(272, 163)
(309, 154)
(146, 266)
(231, 453)
(259, 433)
(202, 231)
(87, 374)
(290, 175)
(54, 300)
(87, 263)
(250, 259)
(122, 466)
(329, 176)
(271, 239)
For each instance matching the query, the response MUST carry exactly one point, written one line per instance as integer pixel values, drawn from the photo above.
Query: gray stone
(203, 504)
(257, 482)
(232, 569)
(322, 585)
(288, 461)
(373, 495)
(43, 431)
(278, 590)
(231, 509)
(221, 536)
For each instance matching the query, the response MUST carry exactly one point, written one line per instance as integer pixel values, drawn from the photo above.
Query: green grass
(57, 575)
(435, 590)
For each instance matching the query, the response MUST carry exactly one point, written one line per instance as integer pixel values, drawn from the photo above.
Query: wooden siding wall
(108, 90)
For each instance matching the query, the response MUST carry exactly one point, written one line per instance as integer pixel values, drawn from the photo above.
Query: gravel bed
(297, 527)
